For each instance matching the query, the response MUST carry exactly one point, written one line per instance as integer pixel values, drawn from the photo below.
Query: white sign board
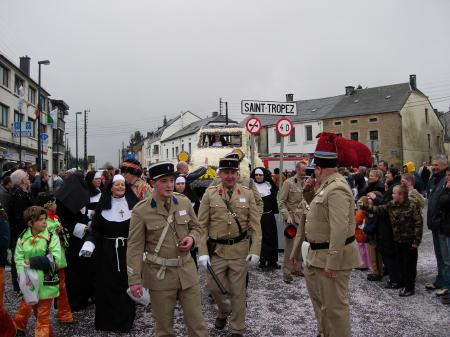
(268, 108)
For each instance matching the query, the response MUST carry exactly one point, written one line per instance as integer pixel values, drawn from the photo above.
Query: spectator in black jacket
(183, 170)
(5, 191)
(20, 200)
(375, 183)
(444, 206)
(39, 185)
(435, 188)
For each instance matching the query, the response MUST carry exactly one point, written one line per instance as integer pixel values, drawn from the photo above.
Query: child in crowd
(7, 328)
(370, 229)
(361, 222)
(39, 249)
(407, 227)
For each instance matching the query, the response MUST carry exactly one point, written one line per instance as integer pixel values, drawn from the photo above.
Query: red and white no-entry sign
(253, 125)
(284, 127)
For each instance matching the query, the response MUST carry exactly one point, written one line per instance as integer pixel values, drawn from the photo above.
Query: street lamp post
(76, 138)
(39, 149)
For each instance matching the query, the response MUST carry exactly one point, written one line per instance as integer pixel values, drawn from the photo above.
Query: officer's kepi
(325, 155)
(229, 164)
(161, 169)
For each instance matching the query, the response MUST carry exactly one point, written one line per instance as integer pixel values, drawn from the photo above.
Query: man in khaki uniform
(165, 228)
(290, 206)
(330, 230)
(226, 228)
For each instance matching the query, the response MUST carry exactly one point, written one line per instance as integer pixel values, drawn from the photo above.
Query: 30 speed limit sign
(284, 127)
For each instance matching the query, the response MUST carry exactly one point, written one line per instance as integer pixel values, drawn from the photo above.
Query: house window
(337, 123)
(182, 147)
(373, 135)
(31, 95)
(167, 153)
(18, 117)
(429, 141)
(308, 133)
(292, 135)
(190, 147)
(4, 111)
(277, 138)
(438, 140)
(176, 150)
(426, 115)
(18, 84)
(354, 135)
(4, 76)
(173, 153)
(373, 120)
(353, 121)
(34, 126)
(339, 134)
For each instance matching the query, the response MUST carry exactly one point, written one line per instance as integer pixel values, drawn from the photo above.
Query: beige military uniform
(248, 182)
(169, 274)
(228, 260)
(290, 204)
(331, 220)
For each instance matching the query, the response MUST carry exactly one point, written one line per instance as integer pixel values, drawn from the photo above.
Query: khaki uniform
(331, 220)
(248, 182)
(228, 261)
(166, 283)
(290, 204)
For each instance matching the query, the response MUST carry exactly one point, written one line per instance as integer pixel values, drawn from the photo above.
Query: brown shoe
(298, 273)
(287, 278)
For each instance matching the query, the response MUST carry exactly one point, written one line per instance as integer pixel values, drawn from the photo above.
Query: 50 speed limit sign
(284, 127)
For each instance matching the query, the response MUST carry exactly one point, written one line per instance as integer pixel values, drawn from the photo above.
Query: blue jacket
(435, 188)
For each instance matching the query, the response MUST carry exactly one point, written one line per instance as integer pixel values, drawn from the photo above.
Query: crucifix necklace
(121, 212)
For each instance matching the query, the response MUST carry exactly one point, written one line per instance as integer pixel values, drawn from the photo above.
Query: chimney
(349, 90)
(215, 113)
(413, 82)
(25, 65)
(289, 97)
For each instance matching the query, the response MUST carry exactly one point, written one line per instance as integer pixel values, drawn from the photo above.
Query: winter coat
(444, 206)
(406, 220)
(4, 241)
(435, 188)
(415, 196)
(29, 246)
(372, 187)
(18, 203)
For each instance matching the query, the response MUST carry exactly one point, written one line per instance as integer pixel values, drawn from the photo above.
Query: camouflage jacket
(406, 220)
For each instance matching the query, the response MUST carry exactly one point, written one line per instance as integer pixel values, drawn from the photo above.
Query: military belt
(164, 263)
(326, 245)
(230, 241)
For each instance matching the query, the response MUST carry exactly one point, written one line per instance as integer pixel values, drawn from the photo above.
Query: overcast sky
(132, 62)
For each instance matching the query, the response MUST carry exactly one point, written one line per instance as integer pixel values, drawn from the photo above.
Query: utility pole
(76, 138)
(226, 113)
(220, 106)
(85, 139)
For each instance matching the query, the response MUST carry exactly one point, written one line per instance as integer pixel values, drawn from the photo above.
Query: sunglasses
(259, 174)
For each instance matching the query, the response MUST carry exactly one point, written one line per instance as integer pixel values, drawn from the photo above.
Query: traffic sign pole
(280, 177)
(284, 128)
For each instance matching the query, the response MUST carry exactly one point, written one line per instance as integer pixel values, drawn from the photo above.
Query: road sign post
(284, 128)
(253, 126)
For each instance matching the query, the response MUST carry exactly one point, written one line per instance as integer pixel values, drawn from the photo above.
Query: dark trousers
(407, 261)
(391, 263)
(14, 277)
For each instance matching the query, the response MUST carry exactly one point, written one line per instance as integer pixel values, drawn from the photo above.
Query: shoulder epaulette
(140, 203)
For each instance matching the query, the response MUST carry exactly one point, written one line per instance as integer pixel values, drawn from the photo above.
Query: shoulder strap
(164, 233)
(233, 214)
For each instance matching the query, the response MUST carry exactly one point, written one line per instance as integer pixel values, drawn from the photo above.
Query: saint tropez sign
(268, 108)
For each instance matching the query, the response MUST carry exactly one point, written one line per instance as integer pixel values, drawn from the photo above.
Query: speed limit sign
(284, 127)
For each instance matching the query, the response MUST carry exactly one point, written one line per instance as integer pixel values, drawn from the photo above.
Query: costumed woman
(71, 199)
(93, 180)
(269, 243)
(114, 309)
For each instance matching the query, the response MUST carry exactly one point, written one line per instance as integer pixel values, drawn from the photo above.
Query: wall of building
(9, 145)
(301, 145)
(187, 143)
(387, 125)
(423, 133)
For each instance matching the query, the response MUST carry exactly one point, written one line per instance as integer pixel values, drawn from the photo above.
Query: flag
(52, 118)
(37, 112)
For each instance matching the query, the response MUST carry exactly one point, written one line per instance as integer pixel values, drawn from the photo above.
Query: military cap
(161, 169)
(229, 164)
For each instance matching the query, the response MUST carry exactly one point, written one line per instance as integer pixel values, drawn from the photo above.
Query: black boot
(220, 323)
